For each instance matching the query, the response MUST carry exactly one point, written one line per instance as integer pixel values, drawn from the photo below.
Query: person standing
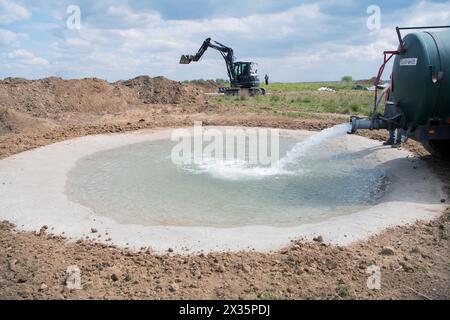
(390, 113)
(266, 79)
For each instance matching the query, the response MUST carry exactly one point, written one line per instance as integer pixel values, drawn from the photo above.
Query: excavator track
(252, 92)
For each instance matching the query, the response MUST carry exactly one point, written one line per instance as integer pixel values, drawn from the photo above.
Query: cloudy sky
(292, 40)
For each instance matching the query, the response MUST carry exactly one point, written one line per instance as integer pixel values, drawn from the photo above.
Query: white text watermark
(255, 146)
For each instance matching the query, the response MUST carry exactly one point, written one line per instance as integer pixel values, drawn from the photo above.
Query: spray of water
(239, 169)
(233, 169)
(301, 148)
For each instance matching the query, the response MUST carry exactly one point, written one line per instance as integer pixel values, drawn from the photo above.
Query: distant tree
(347, 79)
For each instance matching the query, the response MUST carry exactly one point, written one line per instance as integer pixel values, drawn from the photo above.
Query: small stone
(94, 230)
(318, 239)
(220, 268)
(406, 266)
(23, 294)
(43, 287)
(42, 231)
(114, 277)
(142, 120)
(416, 250)
(442, 200)
(363, 265)
(170, 250)
(73, 278)
(22, 279)
(12, 264)
(173, 287)
(388, 251)
(246, 268)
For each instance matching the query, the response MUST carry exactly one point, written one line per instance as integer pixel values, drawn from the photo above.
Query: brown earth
(50, 96)
(33, 265)
(162, 90)
(208, 86)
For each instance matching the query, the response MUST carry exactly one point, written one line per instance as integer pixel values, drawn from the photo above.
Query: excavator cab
(246, 75)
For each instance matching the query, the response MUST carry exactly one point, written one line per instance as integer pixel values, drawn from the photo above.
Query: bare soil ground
(414, 260)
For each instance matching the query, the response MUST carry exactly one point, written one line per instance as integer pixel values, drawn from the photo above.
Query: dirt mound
(55, 95)
(14, 121)
(208, 86)
(162, 90)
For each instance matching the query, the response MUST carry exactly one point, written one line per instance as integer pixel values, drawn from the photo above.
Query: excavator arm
(226, 52)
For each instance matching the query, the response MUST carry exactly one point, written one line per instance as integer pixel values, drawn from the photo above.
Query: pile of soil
(55, 95)
(12, 121)
(160, 90)
(208, 86)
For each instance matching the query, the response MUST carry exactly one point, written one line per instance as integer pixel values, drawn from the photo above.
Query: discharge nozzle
(358, 123)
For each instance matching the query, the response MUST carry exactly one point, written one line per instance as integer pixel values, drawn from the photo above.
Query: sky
(291, 40)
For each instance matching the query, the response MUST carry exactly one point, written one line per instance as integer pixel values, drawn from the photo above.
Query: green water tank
(421, 78)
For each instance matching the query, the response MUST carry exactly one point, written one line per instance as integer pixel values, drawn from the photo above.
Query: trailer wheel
(439, 148)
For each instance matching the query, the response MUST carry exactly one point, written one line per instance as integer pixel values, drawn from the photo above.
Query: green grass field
(302, 99)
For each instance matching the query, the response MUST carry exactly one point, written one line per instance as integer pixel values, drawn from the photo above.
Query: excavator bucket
(185, 59)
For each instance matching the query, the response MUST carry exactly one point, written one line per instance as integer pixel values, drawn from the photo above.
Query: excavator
(243, 75)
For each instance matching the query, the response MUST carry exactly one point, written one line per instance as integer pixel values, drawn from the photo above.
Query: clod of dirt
(318, 239)
(387, 251)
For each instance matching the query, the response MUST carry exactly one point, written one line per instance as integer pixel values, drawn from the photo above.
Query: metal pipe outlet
(367, 124)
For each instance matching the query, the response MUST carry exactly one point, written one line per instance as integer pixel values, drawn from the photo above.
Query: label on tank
(408, 62)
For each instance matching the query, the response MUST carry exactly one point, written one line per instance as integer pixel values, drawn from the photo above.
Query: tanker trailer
(420, 88)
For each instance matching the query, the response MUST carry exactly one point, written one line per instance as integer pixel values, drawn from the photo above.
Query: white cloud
(20, 54)
(26, 57)
(10, 38)
(426, 13)
(11, 11)
(76, 42)
(137, 35)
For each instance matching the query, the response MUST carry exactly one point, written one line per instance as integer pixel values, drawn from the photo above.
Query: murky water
(140, 184)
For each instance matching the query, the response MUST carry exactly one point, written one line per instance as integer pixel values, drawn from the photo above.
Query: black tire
(438, 148)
